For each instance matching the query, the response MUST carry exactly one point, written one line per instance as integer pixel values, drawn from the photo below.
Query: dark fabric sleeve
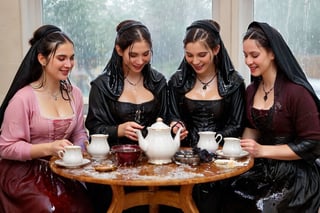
(99, 119)
(163, 98)
(307, 125)
(179, 84)
(173, 100)
(235, 117)
(308, 150)
(157, 84)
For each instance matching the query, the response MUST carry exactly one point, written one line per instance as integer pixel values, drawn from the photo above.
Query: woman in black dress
(206, 94)
(127, 96)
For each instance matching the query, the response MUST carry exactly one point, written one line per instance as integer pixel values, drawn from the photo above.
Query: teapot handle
(177, 122)
(218, 138)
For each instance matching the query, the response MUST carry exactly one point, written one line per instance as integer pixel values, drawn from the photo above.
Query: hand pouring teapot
(159, 145)
(209, 140)
(99, 147)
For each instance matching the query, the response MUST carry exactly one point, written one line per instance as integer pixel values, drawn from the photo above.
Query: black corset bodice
(142, 113)
(201, 115)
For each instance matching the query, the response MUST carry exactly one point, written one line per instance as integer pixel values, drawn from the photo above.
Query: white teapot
(159, 145)
(209, 140)
(98, 147)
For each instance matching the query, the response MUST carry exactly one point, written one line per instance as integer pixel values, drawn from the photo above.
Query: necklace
(266, 93)
(205, 84)
(54, 96)
(133, 84)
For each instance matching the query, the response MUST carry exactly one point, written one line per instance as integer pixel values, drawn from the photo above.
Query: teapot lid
(159, 124)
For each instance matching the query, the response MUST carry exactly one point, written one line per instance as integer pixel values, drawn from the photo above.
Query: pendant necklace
(205, 84)
(54, 96)
(133, 84)
(266, 93)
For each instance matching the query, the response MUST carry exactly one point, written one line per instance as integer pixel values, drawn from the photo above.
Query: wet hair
(211, 40)
(128, 32)
(205, 31)
(257, 34)
(271, 39)
(131, 31)
(46, 39)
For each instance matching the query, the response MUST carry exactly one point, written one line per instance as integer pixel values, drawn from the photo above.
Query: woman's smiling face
(60, 63)
(257, 58)
(199, 57)
(136, 56)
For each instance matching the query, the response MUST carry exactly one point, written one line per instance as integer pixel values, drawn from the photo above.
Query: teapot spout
(141, 140)
(176, 139)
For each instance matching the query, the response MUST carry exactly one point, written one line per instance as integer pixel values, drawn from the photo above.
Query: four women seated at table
(277, 116)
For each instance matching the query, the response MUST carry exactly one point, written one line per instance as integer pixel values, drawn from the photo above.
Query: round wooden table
(154, 177)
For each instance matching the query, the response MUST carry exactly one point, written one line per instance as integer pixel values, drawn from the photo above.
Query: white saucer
(242, 154)
(159, 162)
(61, 163)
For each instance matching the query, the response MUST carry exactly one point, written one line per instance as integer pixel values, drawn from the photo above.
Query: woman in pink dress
(40, 115)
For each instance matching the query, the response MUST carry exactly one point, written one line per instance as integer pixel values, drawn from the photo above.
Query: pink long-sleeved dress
(29, 185)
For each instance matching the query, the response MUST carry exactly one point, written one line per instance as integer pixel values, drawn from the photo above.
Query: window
(295, 19)
(298, 22)
(91, 25)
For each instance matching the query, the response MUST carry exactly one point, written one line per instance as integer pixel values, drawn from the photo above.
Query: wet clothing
(281, 186)
(29, 185)
(106, 112)
(224, 116)
(284, 186)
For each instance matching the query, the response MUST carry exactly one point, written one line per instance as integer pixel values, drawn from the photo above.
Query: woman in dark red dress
(283, 131)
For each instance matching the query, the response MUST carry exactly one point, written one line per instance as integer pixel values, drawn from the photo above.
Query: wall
(10, 43)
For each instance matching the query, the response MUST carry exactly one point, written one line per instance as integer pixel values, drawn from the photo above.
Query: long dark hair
(128, 32)
(46, 39)
(207, 31)
(268, 37)
(209, 36)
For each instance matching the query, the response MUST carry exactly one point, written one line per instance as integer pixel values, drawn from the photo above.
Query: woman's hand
(278, 152)
(128, 129)
(251, 146)
(176, 125)
(48, 149)
(58, 145)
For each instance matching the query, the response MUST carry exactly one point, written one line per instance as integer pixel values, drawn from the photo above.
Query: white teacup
(71, 155)
(231, 146)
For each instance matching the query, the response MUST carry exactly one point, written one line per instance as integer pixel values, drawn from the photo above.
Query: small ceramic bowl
(186, 157)
(127, 154)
